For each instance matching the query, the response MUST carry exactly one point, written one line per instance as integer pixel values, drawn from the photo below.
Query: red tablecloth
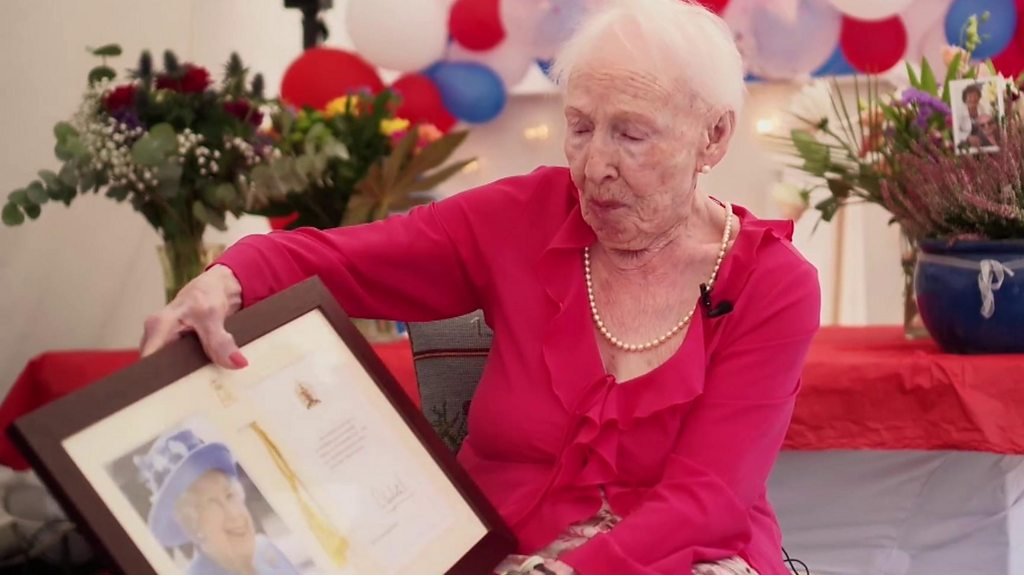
(54, 374)
(870, 388)
(863, 388)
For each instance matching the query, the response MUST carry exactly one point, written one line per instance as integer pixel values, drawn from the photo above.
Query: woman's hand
(202, 305)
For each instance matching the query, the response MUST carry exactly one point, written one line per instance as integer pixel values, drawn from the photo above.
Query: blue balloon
(836, 65)
(470, 91)
(996, 32)
(545, 66)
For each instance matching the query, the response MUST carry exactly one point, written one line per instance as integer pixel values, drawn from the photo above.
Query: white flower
(790, 198)
(813, 103)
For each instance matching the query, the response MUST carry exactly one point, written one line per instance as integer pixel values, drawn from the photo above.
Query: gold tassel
(333, 543)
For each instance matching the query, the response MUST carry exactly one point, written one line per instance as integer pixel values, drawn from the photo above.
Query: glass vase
(913, 326)
(182, 259)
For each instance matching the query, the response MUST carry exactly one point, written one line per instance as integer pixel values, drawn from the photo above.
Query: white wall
(86, 276)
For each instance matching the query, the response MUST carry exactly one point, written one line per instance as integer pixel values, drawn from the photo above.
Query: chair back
(449, 357)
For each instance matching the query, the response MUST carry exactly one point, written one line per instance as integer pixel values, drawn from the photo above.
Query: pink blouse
(682, 453)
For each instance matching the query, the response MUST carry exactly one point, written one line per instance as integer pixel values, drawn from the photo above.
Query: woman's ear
(718, 136)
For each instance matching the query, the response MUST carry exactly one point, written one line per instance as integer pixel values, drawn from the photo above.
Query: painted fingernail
(238, 360)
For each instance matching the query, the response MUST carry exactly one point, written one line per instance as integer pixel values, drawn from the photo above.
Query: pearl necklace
(682, 323)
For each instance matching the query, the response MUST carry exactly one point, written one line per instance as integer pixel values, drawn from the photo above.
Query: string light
(538, 132)
(766, 125)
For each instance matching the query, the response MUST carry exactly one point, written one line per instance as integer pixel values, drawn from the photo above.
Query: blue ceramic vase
(971, 295)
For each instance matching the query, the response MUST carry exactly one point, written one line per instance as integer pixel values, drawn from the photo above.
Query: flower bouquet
(353, 162)
(943, 157)
(170, 142)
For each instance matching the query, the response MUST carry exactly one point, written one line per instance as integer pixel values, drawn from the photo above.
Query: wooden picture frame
(200, 444)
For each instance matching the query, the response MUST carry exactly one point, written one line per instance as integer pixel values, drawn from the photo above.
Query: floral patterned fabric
(545, 561)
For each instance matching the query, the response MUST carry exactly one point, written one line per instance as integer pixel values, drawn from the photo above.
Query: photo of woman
(977, 110)
(200, 505)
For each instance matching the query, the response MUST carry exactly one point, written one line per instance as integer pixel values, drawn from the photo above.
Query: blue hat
(173, 463)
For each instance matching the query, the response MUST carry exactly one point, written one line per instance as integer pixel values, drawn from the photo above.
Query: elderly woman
(199, 500)
(649, 339)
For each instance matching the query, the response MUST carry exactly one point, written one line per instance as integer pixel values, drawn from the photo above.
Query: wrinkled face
(987, 125)
(213, 511)
(632, 143)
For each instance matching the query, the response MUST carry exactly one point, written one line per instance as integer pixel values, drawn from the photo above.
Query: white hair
(687, 42)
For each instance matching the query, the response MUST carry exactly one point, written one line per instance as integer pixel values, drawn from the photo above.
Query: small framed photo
(310, 460)
(978, 113)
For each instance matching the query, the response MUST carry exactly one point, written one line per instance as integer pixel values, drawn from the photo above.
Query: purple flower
(127, 117)
(927, 106)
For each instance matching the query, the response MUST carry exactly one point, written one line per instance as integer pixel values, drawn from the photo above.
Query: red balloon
(320, 75)
(1010, 62)
(716, 6)
(421, 101)
(476, 24)
(874, 46)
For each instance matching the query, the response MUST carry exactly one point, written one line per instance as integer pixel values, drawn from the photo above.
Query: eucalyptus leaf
(64, 130)
(12, 214)
(49, 178)
(225, 194)
(306, 166)
(199, 212)
(33, 211)
(19, 197)
(119, 193)
(155, 146)
(107, 50)
(68, 175)
(36, 192)
(88, 181)
(100, 73)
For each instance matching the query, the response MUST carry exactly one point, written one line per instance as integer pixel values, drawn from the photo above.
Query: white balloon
(919, 19)
(932, 47)
(510, 60)
(543, 25)
(871, 9)
(402, 35)
(777, 48)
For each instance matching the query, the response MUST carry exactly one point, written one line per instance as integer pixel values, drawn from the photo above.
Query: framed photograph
(978, 112)
(310, 460)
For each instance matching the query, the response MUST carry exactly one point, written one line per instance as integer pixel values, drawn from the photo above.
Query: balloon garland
(459, 58)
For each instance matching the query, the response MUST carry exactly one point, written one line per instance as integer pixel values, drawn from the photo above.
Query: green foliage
(145, 161)
(341, 167)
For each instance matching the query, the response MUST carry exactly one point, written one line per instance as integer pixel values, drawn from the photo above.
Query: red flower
(244, 111)
(120, 98)
(190, 79)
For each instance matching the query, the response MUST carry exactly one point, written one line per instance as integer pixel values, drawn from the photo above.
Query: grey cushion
(449, 357)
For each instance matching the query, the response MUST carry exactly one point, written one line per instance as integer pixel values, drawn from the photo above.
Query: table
(903, 460)
(870, 388)
(899, 458)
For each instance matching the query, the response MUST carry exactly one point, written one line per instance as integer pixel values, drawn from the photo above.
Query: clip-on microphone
(723, 308)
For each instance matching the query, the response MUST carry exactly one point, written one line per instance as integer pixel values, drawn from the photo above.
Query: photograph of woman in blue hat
(192, 495)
